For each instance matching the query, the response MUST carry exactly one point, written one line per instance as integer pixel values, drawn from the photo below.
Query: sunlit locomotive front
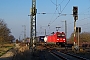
(57, 38)
(60, 38)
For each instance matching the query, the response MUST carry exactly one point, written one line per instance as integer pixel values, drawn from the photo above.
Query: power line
(80, 20)
(60, 13)
(52, 2)
(54, 12)
(60, 6)
(57, 5)
(85, 24)
(82, 14)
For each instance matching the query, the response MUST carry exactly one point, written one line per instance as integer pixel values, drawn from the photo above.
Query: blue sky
(15, 14)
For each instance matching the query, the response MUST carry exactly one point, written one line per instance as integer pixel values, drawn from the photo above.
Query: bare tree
(84, 37)
(4, 32)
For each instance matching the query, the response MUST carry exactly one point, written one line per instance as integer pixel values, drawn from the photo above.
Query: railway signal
(78, 30)
(75, 12)
(75, 15)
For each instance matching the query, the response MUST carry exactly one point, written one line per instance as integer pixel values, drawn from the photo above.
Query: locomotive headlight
(57, 39)
(63, 39)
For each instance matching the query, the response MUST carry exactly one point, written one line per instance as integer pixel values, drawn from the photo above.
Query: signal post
(75, 15)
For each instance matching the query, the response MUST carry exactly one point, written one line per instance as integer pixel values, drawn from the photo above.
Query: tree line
(83, 37)
(5, 33)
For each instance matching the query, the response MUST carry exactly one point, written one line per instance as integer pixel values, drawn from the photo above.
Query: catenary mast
(33, 24)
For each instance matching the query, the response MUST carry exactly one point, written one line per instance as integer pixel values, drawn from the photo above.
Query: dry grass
(23, 49)
(5, 47)
(8, 45)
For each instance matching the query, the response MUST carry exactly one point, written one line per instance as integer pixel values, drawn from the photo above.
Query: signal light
(75, 12)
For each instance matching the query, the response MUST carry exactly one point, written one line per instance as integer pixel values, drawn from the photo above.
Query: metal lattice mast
(33, 23)
(24, 31)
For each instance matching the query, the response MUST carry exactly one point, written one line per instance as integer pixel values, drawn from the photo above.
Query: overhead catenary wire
(78, 14)
(82, 24)
(83, 18)
(82, 14)
(57, 5)
(66, 14)
(54, 12)
(60, 13)
(79, 20)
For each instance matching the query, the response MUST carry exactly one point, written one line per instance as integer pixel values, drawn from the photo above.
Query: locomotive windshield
(60, 35)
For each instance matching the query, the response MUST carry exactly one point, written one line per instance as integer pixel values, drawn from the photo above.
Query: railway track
(67, 56)
(45, 53)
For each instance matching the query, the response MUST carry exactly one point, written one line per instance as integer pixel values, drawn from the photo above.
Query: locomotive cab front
(61, 38)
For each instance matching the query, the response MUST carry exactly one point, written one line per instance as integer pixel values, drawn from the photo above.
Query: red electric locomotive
(58, 38)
